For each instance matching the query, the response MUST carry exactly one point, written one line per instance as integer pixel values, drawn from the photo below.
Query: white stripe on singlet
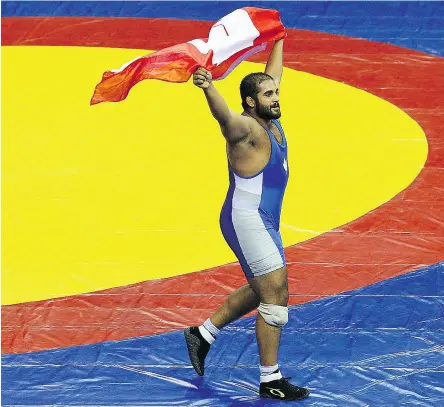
(258, 248)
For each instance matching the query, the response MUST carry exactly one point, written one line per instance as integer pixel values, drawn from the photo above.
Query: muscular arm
(234, 126)
(217, 104)
(274, 63)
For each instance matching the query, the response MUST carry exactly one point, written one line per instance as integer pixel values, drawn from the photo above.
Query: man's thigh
(272, 288)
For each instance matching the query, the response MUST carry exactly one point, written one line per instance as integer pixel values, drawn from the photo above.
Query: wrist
(209, 88)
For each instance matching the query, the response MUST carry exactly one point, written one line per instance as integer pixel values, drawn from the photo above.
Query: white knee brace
(274, 315)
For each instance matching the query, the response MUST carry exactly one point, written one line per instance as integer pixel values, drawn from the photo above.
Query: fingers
(202, 73)
(201, 84)
(201, 70)
(202, 77)
(199, 80)
(198, 77)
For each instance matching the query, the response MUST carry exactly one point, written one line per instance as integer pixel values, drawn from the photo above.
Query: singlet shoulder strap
(281, 130)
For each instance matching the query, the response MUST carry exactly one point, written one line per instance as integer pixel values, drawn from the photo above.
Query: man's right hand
(202, 78)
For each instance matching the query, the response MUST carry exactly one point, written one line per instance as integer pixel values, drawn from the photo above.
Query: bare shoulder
(238, 128)
(255, 139)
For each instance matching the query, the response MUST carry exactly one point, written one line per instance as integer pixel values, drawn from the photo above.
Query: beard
(268, 112)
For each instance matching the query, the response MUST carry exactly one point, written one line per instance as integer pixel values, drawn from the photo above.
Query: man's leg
(199, 339)
(239, 303)
(272, 289)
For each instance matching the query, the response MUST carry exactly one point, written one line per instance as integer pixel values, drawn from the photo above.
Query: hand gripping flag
(231, 40)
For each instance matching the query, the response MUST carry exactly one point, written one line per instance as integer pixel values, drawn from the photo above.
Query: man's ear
(250, 101)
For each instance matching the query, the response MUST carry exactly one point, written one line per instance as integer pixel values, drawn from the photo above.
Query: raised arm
(234, 126)
(274, 63)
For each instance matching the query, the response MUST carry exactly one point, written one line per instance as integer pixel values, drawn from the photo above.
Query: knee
(274, 315)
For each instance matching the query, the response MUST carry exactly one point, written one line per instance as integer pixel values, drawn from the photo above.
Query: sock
(270, 373)
(208, 331)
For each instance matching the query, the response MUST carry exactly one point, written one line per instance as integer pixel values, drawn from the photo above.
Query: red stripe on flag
(173, 64)
(177, 63)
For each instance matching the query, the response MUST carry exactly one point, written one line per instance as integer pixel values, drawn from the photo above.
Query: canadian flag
(231, 40)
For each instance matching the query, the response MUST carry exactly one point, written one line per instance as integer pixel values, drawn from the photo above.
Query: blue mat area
(415, 25)
(379, 346)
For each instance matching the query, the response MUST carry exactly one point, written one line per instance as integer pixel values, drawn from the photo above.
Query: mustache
(275, 105)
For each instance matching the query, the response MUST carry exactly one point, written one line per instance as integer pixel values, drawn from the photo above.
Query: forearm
(217, 104)
(274, 63)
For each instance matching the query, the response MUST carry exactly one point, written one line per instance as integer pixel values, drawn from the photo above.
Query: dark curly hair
(250, 86)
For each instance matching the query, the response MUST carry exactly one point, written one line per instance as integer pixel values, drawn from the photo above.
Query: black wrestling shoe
(198, 348)
(282, 389)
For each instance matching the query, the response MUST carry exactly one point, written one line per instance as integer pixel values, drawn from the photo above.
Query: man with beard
(258, 172)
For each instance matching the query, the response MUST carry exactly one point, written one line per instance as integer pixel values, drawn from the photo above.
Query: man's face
(267, 101)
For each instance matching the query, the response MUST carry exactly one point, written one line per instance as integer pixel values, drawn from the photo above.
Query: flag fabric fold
(231, 40)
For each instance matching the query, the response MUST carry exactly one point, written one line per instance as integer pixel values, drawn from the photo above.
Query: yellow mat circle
(104, 196)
